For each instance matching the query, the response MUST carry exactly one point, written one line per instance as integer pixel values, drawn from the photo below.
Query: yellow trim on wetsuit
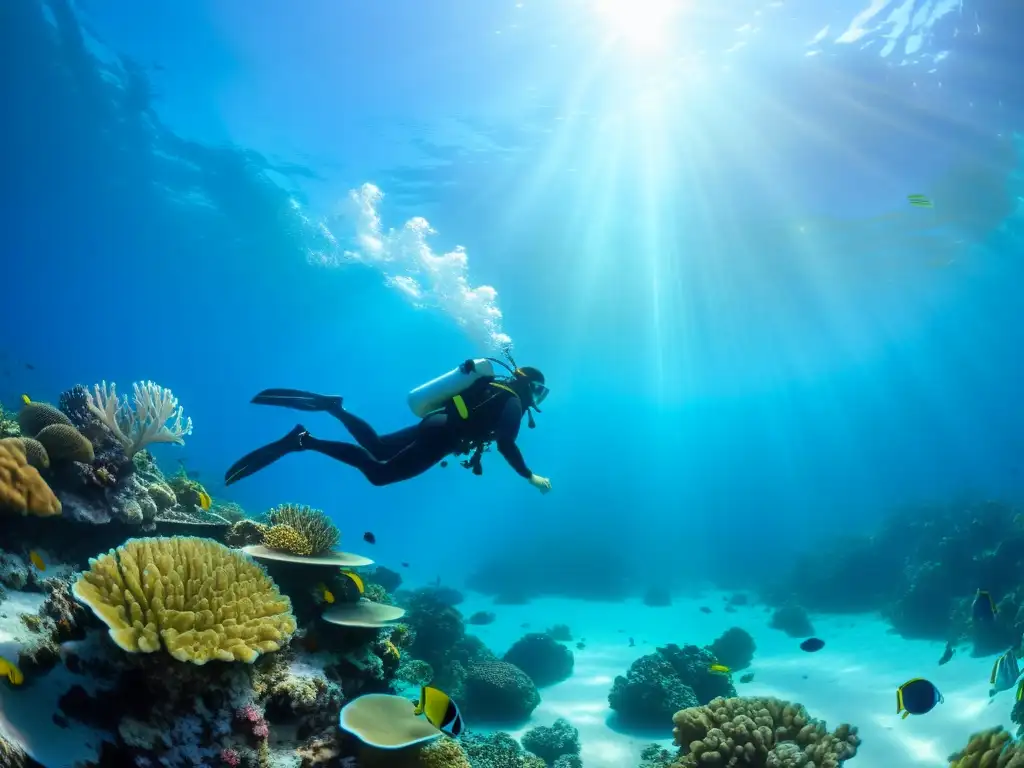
(460, 404)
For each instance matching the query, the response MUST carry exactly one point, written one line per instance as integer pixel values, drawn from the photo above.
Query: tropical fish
(983, 609)
(1020, 690)
(719, 669)
(747, 677)
(26, 400)
(1005, 672)
(705, 609)
(919, 201)
(812, 644)
(405, 565)
(369, 538)
(580, 645)
(355, 580)
(948, 653)
(326, 593)
(205, 502)
(37, 561)
(12, 672)
(439, 710)
(917, 697)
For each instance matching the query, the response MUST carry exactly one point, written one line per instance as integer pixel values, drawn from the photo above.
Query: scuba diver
(461, 412)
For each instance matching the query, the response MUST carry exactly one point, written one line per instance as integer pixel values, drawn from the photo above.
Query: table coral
(196, 597)
(22, 488)
(762, 732)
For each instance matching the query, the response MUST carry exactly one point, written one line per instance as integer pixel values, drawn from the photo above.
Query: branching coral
(153, 417)
(287, 539)
(198, 598)
(22, 488)
(312, 524)
(761, 732)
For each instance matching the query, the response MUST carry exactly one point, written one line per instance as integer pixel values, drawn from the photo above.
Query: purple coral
(252, 716)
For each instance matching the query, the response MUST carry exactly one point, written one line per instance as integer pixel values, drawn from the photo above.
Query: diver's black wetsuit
(397, 456)
(495, 414)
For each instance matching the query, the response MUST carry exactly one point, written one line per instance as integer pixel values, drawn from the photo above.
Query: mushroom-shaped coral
(340, 559)
(22, 488)
(364, 613)
(196, 597)
(762, 732)
(312, 525)
(386, 722)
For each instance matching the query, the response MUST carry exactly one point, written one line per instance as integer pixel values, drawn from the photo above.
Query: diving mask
(538, 392)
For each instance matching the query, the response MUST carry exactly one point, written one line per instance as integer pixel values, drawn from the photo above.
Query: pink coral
(230, 757)
(251, 714)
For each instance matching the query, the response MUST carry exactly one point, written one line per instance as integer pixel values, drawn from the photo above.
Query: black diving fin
(262, 457)
(298, 400)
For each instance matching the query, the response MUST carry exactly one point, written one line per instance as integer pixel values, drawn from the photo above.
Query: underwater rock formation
(657, 684)
(793, 620)
(498, 692)
(541, 657)
(551, 743)
(735, 648)
(765, 732)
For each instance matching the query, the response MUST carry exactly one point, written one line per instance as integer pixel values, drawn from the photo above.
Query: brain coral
(22, 488)
(33, 418)
(196, 597)
(761, 732)
(35, 452)
(64, 442)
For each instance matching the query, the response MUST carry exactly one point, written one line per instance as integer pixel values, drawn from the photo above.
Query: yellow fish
(205, 501)
(355, 580)
(1020, 690)
(12, 672)
(719, 669)
(37, 561)
(26, 400)
(919, 201)
(327, 594)
(440, 710)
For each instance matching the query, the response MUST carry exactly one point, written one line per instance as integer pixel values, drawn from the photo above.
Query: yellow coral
(287, 539)
(989, 749)
(35, 453)
(443, 753)
(312, 524)
(391, 650)
(200, 599)
(755, 728)
(162, 495)
(22, 488)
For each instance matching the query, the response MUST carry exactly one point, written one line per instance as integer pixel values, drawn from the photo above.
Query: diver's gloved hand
(468, 366)
(542, 484)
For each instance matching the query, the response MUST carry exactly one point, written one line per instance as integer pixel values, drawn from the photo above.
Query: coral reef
(662, 683)
(499, 750)
(541, 657)
(993, 748)
(551, 743)
(764, 732)
(199, 599)
(793, 620)
(153, 416)
(244, 533)
(498, 692)
(312, 525)
(22, 488)
(735, 648)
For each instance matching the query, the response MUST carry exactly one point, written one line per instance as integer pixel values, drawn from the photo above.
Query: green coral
(414, 672)
(378, 594)
(287, 539)
(312, 524)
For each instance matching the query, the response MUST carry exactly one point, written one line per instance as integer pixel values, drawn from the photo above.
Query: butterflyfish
(355, 580)
(26, 400)
(205, 502)
(326, 593)
(1005, 672)
(917, 697)
(440, 711)
(12, 672)
(37, 561)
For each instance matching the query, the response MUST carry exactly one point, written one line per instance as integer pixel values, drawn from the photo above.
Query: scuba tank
(435, 393)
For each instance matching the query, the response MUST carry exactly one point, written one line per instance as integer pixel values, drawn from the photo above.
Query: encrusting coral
(22, 488)
(993, 748)
(198, 598)
(311, 524)
(761, 732)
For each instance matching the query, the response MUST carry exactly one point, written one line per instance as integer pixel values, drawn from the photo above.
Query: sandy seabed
(853, 679)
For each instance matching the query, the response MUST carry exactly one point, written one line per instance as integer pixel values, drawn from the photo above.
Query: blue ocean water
(694, 221)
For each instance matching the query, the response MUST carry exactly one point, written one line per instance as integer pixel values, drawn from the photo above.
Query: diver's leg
(381, 447)
(432, 443)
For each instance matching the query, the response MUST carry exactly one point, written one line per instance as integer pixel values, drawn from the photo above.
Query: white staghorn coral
(155, 416)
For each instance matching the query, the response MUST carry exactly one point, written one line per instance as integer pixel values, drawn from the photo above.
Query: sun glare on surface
(641, 24)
